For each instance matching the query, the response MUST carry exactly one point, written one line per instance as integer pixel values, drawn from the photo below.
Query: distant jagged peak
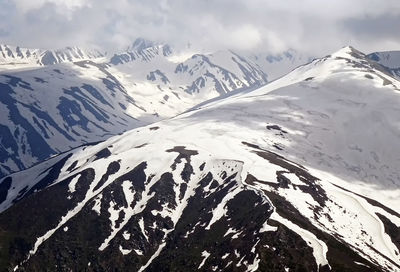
(80, 51)
(142, 44)
(15, 52)
(142, 50)
(14, 56)
(71, 49)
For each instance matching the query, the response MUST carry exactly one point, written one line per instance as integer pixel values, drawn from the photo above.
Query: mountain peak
(140, 44)
(142, 49)
(349, 52)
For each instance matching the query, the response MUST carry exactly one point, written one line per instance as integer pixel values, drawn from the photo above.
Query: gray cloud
(318, 26)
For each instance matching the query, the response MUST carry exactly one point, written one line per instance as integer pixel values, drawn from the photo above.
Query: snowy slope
(296, 175)
(15, 57)
(49, 110)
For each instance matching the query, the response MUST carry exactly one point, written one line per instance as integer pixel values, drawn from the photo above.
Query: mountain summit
(141, 44)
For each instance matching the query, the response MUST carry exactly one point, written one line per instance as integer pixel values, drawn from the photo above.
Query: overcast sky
(317, 26)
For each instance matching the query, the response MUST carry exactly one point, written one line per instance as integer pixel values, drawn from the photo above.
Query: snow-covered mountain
(53, 108)
(204, 76)
(299, 175)
(389, 59)
(142, 50)
(15, 57)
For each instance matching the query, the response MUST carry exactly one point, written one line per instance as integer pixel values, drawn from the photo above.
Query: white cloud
(245, 37)
(63, 5)
(320, 26)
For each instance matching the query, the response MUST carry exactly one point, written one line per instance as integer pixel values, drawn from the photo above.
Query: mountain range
(80, 97)
(17, 57)
(233, 172)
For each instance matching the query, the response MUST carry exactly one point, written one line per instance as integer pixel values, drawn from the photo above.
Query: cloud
(318, 26)
(63, 8)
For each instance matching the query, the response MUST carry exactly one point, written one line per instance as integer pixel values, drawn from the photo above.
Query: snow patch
(72, 184)
(124, 251)
(319, 247)
(266, 227)
(126, 235)
(221, 210)
(205, 256)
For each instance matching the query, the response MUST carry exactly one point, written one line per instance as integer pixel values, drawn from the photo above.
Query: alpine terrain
(55, 100)
(301, 174)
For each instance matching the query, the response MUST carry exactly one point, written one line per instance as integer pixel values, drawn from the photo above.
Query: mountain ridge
(10, 56)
